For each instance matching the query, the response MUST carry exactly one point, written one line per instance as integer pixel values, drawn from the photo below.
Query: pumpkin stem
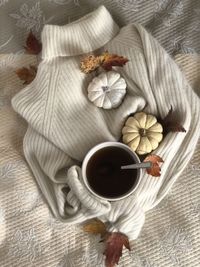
(143, 132)
(105, 88)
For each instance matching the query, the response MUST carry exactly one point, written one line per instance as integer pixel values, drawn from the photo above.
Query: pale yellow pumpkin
(142, 133)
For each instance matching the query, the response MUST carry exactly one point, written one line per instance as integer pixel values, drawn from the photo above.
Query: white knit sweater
(64, 125)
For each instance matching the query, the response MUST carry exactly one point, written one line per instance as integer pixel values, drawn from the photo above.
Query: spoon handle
(147, 164)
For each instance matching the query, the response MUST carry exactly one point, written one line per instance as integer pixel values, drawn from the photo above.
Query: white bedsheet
(30, 236)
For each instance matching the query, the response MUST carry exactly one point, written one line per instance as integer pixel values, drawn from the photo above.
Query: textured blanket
(30, 236)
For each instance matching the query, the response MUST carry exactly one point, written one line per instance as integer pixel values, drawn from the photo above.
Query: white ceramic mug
(101, 146)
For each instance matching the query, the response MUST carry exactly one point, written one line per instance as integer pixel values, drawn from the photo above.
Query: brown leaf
(155, 168)
(114, 246)
(33, 46)
(170, 125)
(110, 60)
(106, 61)
(95, 226)
(27, 74)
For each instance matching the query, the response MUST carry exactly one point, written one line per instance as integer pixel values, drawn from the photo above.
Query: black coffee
(104, 174)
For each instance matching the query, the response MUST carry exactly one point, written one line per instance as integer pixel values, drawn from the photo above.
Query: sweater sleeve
(162, 84)
(59, 181)
(53, 168)
(170, 88)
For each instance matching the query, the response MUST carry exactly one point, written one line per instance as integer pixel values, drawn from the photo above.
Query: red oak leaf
(33, 46)
(114, 246)
(170, 124)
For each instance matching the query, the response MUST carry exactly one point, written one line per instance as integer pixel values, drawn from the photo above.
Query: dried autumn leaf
(155, 168)
(89, 63)
(33, 46)
(170, 125)
(106, 61)
(110, 60)
(27, 74)
(114, 246)
(95, 226)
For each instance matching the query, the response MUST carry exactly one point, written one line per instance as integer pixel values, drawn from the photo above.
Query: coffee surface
(104, 172)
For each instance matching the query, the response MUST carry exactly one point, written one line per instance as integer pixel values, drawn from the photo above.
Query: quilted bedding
(29, 235)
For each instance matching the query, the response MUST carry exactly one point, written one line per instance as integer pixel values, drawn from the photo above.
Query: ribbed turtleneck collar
(87, 34)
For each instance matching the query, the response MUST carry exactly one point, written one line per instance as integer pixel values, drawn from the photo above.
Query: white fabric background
(174, 23)
(29, 235)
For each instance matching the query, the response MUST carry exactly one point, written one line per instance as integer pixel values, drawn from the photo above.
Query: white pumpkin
(142, 133)
(107, 90)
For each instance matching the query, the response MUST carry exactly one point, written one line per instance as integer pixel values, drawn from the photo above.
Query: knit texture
(64, 125)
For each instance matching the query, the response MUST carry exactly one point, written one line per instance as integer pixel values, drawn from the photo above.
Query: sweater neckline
(85, 35)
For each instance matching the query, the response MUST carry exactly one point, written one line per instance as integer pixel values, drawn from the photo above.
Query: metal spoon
(146, 164)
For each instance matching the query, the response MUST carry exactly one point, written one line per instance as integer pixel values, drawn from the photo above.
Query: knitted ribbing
(64, 125)
(82, 36)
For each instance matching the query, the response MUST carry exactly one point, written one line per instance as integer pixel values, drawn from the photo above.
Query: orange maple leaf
(154, 170)
(27, 74)
(110, 60)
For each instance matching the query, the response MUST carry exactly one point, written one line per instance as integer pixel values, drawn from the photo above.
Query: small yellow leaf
(89, 64)
(95, 226)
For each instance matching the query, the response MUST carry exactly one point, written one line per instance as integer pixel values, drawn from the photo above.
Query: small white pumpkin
(107, 90)
(142, 133)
